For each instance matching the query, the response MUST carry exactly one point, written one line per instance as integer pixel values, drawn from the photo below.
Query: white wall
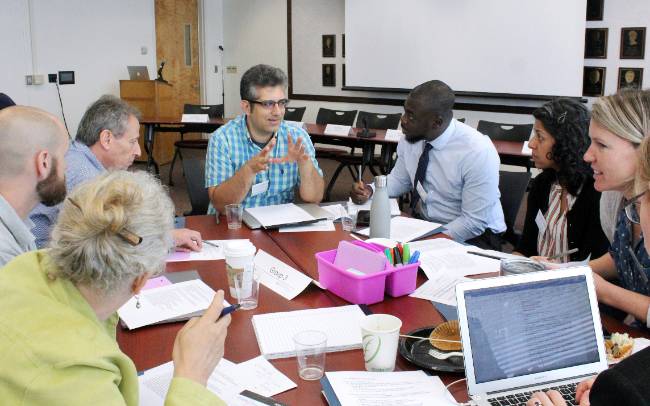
(94, 38)
(212, 27)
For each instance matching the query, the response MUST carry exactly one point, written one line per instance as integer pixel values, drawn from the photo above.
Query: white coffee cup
(380, 336)
(239, 258)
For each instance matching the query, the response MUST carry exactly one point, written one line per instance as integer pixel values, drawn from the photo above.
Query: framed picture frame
(329, 46)
(593, 81)
(329, 75)
(343, 75)
(343, 45)
(596, 43)
(630, 78)
(595, 10)
(633, 43)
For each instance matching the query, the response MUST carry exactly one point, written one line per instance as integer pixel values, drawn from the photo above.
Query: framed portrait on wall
(329, 75)
(343, 75)
(593, 81)
(633, 43)
(630, 78)
(596, 43)
(343, 45)
(329, 46)
(595, 10)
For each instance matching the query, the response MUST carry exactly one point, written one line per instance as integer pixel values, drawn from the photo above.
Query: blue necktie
(420, 174)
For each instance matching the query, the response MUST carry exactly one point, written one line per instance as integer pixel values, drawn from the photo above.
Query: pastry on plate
(448, 331)
(618, 347)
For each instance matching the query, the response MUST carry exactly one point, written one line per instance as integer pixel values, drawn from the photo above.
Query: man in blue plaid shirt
(257, 159)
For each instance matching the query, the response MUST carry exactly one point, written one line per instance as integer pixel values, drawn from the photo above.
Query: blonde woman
(619, 123)
(626, 384)
(58, 320)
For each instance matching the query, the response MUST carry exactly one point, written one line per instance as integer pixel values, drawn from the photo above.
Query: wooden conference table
(152, 346)
(508, 150)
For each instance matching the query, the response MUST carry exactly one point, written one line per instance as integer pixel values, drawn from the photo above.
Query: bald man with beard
(33, 144)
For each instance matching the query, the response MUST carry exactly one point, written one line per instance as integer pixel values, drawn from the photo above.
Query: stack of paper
(441, 255)
(227, 381)
(405, 229)
(275, 331)
(394, 206)
(179, 301)
(280, 214)
(323, 225)
(335, 129)
(412, 388)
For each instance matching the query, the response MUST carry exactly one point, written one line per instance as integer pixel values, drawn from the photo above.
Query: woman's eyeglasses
(633, 208)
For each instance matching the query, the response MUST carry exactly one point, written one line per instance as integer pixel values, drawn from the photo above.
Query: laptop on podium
(138, 72)
(526, 333)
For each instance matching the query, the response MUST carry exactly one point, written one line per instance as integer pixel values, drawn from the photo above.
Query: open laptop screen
(531, 327)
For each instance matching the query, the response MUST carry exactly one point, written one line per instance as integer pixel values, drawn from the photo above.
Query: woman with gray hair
(619, 123)
(59, 306)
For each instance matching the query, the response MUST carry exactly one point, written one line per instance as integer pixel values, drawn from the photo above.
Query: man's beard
(51, 190)
(412, 139)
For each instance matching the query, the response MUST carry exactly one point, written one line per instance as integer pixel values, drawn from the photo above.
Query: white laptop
(138, 72)
(530, 332)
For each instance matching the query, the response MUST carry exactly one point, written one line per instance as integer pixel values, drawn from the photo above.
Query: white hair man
(33, 144)
(107, 139)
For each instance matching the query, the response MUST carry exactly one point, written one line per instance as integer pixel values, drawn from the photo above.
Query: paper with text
(393, 135)
(408, 388)
(195, 118)
(167, 302)
(284, 280)
(405, 229)
(275, 331)
(441, 288)
(279, 214)
(208, 252)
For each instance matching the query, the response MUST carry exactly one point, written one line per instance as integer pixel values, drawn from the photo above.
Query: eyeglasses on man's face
(269, 104)
(633, 209)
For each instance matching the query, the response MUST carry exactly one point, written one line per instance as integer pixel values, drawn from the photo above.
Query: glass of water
(349, 217)
(310, 352)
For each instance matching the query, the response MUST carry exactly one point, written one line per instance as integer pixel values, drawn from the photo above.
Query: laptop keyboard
(519, 399)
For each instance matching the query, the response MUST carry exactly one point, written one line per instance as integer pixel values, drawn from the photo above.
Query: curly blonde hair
(87, 246)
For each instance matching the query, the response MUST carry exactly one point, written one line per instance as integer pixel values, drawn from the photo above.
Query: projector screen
(524, 47)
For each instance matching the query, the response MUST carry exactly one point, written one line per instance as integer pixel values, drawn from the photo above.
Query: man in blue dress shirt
(452, 169)
(107, 139)
(257, 159)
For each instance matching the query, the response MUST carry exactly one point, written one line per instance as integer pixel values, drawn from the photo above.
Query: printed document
(208, 253)
(441, 288)
(394, 206)
(408, 388)
(335, 129)
(195, 118)
(405, 229)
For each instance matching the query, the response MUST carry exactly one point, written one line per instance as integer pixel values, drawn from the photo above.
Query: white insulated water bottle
(380, 210)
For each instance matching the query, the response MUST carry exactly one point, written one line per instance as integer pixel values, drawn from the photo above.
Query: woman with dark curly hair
(563, 206)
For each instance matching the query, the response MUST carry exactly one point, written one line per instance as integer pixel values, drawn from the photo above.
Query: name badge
(540, 221)
(421, 191)
(260, 188)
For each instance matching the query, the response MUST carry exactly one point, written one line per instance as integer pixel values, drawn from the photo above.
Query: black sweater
(583, 220)
(626, 384)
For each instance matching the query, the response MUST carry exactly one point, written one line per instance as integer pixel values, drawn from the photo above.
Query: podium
(154, 99)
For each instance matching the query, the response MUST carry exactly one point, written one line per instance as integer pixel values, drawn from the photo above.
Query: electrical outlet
(231, 69)
(38, 79)
(52, 77)
(29, 80)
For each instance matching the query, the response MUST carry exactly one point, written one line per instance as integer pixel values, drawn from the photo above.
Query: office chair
(194, 170)
(294, 113)
(508, 132)
(512, 186)
(213, 111)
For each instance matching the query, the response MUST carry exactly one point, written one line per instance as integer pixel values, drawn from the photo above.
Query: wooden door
(177, 43)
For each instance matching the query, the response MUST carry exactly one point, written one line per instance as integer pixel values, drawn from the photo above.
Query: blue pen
(227, 310)
(414, 257)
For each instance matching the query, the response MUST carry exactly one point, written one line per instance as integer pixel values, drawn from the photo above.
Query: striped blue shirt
(231, 146)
